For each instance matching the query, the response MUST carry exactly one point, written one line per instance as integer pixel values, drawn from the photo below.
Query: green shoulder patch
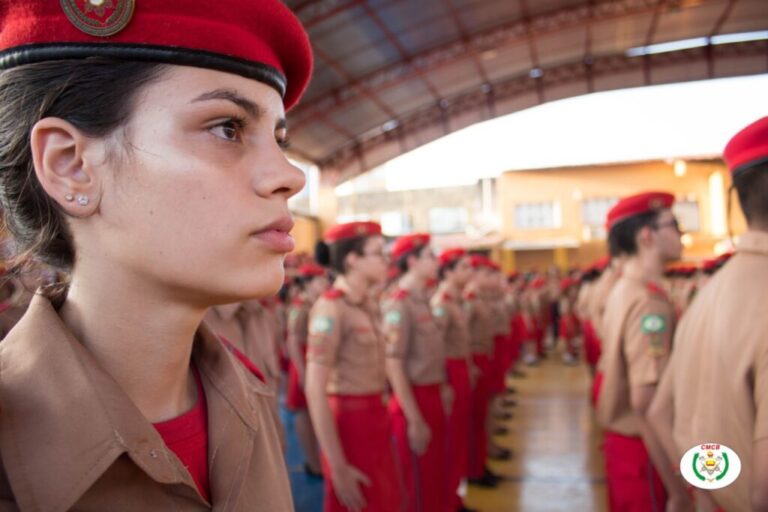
(653, 324)
(321, 325)
(438, 311)
(393, 318)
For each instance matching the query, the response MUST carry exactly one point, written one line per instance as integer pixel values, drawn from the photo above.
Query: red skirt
(633, 483)
(294, 395)
(425, 474)
(457, 429)
(591, 344)
(478, 436)
(499, 364)
(365, 433)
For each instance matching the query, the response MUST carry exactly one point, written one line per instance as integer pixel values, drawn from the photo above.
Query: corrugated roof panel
(564, 46)
(616, 36)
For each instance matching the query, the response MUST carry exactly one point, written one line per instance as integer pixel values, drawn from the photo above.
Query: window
(395, 223)
(447, 220)
(687, 213)
(593, 215)
(537, 215)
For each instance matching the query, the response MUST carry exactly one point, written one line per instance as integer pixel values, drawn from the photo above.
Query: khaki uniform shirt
(71, 439)
(346, 336)
(451, 318)
(261, 341)
(499, 319)
(413, 335)
(480, 324)
(638, 323)
(298, 324)
(720, 364)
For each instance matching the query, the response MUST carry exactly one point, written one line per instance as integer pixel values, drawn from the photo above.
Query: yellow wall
(572, 185)
(306, 232)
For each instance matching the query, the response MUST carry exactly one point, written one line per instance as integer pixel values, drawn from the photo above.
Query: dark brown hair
(752, 188)
(97, 96)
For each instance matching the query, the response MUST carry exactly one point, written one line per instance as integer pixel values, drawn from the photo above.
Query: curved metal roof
(392, 75)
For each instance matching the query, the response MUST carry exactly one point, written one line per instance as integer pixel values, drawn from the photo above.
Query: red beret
(451, 255)
(479, 261)
(748, 147)
(310, 270)
(258, 39)
(566, 283)
(351, 230)
(408, 243)
(538, 283)
(638, 204)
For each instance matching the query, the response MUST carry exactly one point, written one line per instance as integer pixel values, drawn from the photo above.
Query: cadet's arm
(661, 415)
(759, 483)
(640, 398)
(322, 419)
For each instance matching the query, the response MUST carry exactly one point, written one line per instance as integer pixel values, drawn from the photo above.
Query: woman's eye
(231, 129)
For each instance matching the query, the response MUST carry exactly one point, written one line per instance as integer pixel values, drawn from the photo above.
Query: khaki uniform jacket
(451, 317)
(638, 324)
(413, 335)
(71, 439)
(346, 336)
(480, 324)
(720, 364)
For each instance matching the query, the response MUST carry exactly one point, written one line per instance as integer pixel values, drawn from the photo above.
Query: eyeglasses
(671, 224)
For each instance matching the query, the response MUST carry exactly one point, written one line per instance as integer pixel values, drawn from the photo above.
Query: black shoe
(509, 403)
(503, 416)
(487, 480)
(500, 431)
(511, 390)
(464, 508)
(311, 473)
(501, 455)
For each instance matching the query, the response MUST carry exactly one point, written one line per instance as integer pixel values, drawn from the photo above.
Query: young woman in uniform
(346, 380)
(311, 282)
(140, 153)
(416, 369)
(449, 312)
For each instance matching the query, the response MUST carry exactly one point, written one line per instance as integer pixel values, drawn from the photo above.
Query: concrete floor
(557, 466)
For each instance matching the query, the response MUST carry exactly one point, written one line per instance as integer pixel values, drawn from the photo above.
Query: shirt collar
(65, 420)
(753, 241)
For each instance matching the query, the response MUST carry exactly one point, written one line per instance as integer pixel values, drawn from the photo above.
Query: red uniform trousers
(294, 394)
(499, 364)
(516, 333)
(481, 395)
(633, 483)
(424, 475)
(457, 429)
(365, 433)
(591, 344)
(567, 331)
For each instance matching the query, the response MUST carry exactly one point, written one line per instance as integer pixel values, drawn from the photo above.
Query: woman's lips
(278, 241)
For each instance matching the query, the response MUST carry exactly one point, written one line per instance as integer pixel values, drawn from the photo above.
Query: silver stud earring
(82, 200)
(69, 197)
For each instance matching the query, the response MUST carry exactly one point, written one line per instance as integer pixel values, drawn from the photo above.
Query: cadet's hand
(680, 503)
(346, 482)
(446, 393)
(419, 436)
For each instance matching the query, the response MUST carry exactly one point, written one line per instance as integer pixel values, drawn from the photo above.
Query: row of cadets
(636, 328)
(311, 281)
(716, 390)
(450, 314)
(416, 371)
(346, 375)
(569, 327)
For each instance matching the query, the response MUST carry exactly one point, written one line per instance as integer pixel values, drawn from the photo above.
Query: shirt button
(153, 454)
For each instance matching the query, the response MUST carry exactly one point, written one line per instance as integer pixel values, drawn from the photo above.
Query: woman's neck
(139, 335)
(411, 282)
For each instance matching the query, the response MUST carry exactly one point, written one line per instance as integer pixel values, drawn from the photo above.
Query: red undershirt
(187, 437)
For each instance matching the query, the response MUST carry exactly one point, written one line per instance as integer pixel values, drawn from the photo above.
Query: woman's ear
(63, 158)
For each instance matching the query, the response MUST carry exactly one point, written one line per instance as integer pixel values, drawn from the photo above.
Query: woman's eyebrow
(251, 108)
